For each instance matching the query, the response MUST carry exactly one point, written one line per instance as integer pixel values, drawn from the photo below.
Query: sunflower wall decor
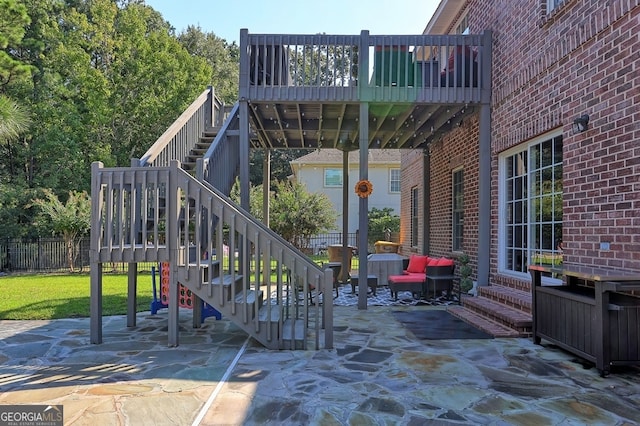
(364, 188)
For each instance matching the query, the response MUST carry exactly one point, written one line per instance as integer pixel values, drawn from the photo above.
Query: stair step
(251, 297)
(500, 313)
(488, 326)
(204, 144)
(270, 315)
(212, 132)
(509, 296)
(226, 281)
(294, 330)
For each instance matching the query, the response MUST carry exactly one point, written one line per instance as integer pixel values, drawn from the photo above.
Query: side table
(372, 282)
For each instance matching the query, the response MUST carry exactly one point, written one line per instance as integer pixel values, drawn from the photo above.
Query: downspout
(484, 170)
(426, 196)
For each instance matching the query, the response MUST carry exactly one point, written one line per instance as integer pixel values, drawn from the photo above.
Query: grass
(53, 296)
(43, 297)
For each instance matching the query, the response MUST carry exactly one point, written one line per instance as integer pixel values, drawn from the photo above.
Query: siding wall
(581, 59)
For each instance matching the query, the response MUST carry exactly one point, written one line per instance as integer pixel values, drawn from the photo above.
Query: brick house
(554, 61)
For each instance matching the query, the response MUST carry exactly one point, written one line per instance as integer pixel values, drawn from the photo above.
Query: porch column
(363, 214)
(243, 111)
(95, 300)
(346, 259)
(266, 186)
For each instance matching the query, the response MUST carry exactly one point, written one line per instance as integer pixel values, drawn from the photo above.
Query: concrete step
(483, 323)
(514, 298)
(515, 319)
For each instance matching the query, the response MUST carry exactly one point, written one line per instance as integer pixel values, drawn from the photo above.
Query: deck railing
(365, 67)
(128, 226)
(176, 142)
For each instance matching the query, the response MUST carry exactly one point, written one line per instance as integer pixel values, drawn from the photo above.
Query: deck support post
(363, 216)
(95, 301)
(132, 296)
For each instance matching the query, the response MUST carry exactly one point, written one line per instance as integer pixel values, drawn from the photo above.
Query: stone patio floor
(378, 374)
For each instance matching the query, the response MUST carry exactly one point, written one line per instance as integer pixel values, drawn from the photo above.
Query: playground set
(186, 298)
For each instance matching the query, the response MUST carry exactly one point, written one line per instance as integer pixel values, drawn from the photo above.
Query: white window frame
(415, 216)
(395, 180)
(328, 183)
(502, 210)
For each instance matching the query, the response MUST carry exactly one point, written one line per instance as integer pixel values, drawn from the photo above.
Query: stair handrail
(226, 156)
(204, 113)
(253, 231)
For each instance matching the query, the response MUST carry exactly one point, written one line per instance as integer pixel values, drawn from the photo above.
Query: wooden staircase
(273, 322)
(200, 148)
(172, 206)
(498, 310)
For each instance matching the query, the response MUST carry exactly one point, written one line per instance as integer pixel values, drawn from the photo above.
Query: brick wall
(583, 58)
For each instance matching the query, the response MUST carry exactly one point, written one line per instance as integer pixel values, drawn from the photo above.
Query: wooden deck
(306, 91)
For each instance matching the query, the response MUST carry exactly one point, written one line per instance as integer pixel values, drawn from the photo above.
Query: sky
(338, 17)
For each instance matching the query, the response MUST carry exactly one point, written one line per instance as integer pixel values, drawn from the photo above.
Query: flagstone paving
(378, 374)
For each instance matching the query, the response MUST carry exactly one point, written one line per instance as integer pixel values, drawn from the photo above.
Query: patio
(378, 373)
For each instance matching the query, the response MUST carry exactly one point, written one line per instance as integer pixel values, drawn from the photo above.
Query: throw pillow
(445, 262)
(433, 261)
(417, 263)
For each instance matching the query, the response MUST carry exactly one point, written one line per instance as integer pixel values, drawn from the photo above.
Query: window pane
(332, 177)
(394, 180)
(533, 203)
(458, 210)
(414, 217)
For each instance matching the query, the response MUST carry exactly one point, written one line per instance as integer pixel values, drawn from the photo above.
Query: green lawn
(31, 297)
(54, 296)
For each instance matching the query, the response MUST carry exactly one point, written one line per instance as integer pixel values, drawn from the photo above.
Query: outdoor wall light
(581, 123)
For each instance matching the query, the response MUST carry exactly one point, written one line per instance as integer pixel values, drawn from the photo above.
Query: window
(394, 180)
(531, 197)
(333, 177)
(553, 4)
(414, 217)
(458, 210)
(463, 26)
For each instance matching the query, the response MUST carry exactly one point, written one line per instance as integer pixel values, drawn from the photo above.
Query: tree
(222, 58)
(14, 119)
(280, 164)
(380, 221)
(106, 78)
(295, 214)
(154, 80)
(71, 219)
(13, 20)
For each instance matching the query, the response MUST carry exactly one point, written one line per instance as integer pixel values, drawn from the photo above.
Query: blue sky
(226, 18)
